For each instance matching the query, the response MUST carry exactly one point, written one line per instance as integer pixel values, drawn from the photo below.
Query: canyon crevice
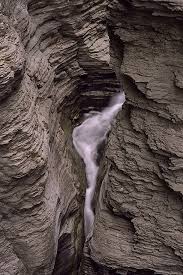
(58, 60)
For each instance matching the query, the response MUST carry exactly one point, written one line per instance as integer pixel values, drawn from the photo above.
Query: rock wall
(138, 226)
(54, 65)
(51, 52)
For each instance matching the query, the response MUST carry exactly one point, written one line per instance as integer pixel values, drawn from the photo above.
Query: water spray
(86, 139)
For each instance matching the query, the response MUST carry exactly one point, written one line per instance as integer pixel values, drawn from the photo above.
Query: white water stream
(86, 139)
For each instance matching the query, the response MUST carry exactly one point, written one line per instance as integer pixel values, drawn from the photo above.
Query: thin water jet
(86, 139)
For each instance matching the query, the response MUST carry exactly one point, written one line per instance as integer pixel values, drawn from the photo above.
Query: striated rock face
(54, 65)
(53, 54)
(138, 225)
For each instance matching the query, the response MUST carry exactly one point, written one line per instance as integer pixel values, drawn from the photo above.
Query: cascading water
(86, 138)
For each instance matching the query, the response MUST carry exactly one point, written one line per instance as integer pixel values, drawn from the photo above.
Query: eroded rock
(138, 226)
(48, 49)
(54, 65)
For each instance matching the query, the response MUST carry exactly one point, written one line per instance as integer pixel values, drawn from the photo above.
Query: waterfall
(86, 139)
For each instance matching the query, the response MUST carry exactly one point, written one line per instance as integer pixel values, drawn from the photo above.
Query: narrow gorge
(61, 60)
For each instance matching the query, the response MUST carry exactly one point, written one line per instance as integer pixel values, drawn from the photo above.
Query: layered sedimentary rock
(52, 55)
(138, 224)
(54, 65)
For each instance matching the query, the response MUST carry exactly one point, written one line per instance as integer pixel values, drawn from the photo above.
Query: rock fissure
(58, 61)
